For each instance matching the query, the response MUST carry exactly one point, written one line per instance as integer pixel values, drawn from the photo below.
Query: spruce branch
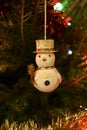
(76, 80)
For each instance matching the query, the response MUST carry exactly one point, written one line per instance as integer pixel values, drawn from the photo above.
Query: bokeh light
(58, 6)
(69, 52)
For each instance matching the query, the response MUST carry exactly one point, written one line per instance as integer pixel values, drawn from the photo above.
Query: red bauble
(52, 2)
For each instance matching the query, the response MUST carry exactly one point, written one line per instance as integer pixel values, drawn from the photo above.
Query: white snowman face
(45, 59)
(47, 80)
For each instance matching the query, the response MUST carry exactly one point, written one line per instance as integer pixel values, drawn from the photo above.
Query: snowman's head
(45, 59)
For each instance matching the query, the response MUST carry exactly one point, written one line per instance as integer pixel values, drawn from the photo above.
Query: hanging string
(45, 18)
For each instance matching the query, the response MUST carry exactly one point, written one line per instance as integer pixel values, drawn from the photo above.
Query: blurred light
(58, 6)
(63, 17)
(83, 107)
(69, 52)
(69, 24)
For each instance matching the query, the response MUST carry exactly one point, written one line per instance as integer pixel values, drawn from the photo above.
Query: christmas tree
(21, 23)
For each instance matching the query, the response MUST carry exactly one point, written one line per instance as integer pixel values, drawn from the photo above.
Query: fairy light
(70, 52)
(69, 24)
(58, 6)
(83, 107)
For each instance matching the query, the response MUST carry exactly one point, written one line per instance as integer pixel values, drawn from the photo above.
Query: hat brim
(44, 51)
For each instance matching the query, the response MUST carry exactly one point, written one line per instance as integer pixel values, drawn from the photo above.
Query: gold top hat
(45, 46)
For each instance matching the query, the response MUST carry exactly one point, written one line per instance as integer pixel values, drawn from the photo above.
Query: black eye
(39, 56)
(49, 55)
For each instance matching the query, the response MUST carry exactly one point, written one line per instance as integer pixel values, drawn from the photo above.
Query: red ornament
(79, 122)
(57, 21)
(52, 2)
(66, 20)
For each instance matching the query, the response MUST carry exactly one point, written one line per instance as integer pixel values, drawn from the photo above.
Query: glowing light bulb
(70, 52)
(62, 17)
(58, 6)
(69, 24)
(83, 107)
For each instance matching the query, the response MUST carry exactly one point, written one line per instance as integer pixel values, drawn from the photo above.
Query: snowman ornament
(46, 78)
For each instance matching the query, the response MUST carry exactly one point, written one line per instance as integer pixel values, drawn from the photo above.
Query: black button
(47, 82)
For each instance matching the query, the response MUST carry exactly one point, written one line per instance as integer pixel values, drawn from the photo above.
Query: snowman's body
(47, 79)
